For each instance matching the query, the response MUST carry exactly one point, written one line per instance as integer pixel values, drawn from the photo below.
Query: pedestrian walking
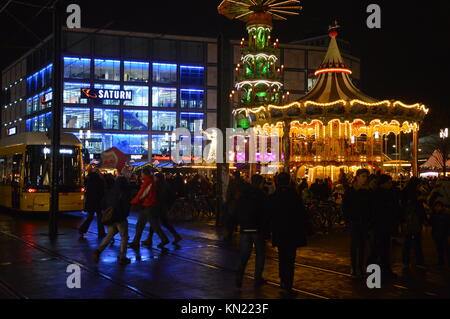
(234, 192)
(252, 214)
(357, 208)
(94, 192)
(385, 210)
(163, 204)
(440, 223)
(146, 200)
(116, 205)
(413, 219)
(288, 223)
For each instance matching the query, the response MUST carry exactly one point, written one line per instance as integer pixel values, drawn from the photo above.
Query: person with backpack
(147, 201)
(116, 208)
(164, 201)
(288, 221)
(252, 215)
(413, 219)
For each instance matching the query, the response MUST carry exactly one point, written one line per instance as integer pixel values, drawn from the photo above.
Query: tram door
(15, 182)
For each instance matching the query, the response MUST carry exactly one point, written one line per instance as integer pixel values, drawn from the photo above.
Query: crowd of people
(376, 209)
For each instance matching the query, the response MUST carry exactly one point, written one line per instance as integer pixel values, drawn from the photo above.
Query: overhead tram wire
(23, 25)
(5, 5)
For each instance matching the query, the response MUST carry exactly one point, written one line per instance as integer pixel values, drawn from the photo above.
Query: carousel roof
(333, 82)
(334, 96)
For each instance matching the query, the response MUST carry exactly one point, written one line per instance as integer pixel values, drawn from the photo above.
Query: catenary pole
(56, 118)
(223, 118)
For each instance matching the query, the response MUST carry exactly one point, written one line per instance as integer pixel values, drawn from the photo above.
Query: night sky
(407, 59)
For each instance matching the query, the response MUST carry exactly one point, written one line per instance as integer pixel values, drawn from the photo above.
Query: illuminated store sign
(107, 94)
(11, 131)
(47, 97)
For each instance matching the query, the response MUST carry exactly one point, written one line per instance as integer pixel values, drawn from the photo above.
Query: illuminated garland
(258, 28)
(333, 70)
(258, 82)
(259, 55)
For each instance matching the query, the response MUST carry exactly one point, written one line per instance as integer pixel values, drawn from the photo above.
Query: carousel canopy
(334, 96)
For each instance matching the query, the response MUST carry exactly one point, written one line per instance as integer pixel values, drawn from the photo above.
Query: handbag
(108, 213)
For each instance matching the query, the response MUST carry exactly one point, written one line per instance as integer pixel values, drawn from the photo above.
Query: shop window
(164, 121)
(164, 97)
(108, 70)
(192, 98)
(192, 75)
(106, 119)
(135, 120)
(164, 73)
(78, 118)
(77, 68)
(136, 71)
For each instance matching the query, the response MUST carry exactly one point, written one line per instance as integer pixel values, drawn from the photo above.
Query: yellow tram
(25, 173)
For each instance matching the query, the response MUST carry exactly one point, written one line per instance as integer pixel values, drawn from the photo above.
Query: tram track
(302, 265)
(217, 267)
(10, 292)
(68, 260)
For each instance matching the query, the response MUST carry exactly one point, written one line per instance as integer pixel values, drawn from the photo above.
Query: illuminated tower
(259, 74)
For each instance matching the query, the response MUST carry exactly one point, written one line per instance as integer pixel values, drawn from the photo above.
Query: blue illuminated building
(168, 78)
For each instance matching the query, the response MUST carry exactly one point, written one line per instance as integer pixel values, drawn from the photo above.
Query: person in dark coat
(414, 217)
(288, 223)
(163, 204)
(95, 190)
(252, 215)
(118, 198)
(234, 192)
(385, 211)
(357, 208)
(440, 230)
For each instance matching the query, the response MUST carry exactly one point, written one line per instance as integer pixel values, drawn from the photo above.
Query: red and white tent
(435, 161)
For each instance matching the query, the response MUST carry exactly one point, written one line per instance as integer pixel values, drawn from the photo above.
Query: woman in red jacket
(146, 199)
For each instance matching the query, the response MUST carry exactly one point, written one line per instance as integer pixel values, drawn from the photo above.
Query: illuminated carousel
(335, 126)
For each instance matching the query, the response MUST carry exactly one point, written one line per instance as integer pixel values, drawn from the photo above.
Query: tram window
(38, 160)
(2, 170)
(8, 169)
(16, 164)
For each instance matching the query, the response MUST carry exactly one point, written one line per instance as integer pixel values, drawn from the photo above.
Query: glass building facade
(167, 79)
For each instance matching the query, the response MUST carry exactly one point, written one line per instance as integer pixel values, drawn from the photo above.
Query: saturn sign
(101, 94)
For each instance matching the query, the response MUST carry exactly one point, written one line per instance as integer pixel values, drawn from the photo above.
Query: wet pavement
(201, 266)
